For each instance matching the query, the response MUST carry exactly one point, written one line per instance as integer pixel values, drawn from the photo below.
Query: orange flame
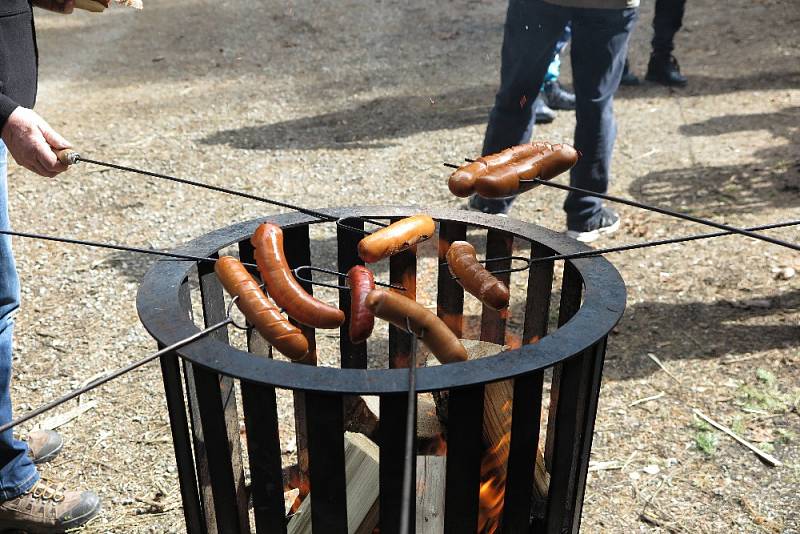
(493, 482)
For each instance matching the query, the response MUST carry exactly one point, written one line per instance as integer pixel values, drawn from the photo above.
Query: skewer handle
(90, 5)
(67, 156)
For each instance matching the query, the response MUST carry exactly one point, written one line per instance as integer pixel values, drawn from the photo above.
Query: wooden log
(430, 494)
(361, 474)
(362, 415)
(498, 404)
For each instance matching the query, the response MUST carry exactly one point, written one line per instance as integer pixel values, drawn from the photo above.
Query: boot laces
(44, 491)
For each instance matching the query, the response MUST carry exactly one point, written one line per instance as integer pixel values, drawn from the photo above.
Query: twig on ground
(663, 368)
(741, 359)
(768, 458)
(647, 399)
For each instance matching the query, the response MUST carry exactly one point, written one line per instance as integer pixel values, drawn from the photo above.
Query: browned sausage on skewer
(259, 310)
(361, 281)
(474, 277)
(439, 339)
(282, 286)
(504, 181)
(462, 181)
(396, 237)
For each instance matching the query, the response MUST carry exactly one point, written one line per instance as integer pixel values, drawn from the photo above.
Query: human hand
(33, 143)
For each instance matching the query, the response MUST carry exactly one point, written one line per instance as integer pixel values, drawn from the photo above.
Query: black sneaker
(557, 97)
(665, 70)
(543, 114)
(604, 223)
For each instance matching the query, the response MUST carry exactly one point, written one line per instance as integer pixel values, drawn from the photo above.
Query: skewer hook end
(67, 156)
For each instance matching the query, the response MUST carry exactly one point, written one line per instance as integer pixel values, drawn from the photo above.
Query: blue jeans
(17, 472)
(599, 43)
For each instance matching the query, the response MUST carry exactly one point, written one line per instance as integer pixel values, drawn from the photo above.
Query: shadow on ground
(370, 124)
(772, 182)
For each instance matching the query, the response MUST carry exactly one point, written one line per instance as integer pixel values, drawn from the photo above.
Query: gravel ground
(359, 102)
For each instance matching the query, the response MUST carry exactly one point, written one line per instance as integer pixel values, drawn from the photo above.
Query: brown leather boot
(44, 509)
(44, 445)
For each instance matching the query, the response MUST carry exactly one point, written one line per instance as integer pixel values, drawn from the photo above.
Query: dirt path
(360, 102)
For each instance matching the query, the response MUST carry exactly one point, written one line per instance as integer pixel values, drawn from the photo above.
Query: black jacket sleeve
(18, 57)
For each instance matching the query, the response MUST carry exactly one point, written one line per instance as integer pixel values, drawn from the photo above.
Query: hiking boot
(606, 222)
(629, 78)
(542, 113)
(556, 97)
(665, 70)
(44, 509)
(44, 445)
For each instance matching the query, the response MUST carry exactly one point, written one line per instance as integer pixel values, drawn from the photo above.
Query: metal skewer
(296, 271)
(70, 157)
(411, 420)
(632, 246)
(112, 246)
(119, 372)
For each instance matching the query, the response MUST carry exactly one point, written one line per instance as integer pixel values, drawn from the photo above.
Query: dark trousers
(599, 44)
(666, 23)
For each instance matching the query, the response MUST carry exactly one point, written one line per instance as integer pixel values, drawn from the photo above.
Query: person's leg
(663, 67)
(531, 30)
(667, 20)
(599, 44)
(17, 472)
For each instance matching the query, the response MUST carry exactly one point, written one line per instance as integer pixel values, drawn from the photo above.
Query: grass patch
(705, 439)
(764, 393)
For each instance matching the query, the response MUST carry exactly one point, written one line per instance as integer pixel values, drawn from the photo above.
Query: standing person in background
(552, 95)
(26, 501)
(600, 32)
(662, 68)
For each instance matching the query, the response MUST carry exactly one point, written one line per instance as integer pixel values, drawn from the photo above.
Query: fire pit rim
(163, 317)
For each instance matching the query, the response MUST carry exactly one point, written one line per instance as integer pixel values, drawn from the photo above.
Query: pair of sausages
(282, 285)
(462, 181)
(474, 277)
(395, 238)
(259, 310)
(541, 160)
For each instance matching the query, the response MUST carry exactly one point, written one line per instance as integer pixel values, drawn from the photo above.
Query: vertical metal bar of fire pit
(327, 462)
(450, 294)
(527, 408)
(571, 416)
(571, 291)
(297, 248)
(216, 401)
(464, 451)
(595, 376)
(393, 410)
(263, 441)
(499, 244)
(181, 436)
(353, 355)
(402, 271)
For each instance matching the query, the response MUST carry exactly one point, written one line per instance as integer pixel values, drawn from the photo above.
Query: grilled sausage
(259, 310)
(361, 281)
(395, 238)
(504, 181)
(474, 277)
(394, 308)
(462, 181)
(282, 286)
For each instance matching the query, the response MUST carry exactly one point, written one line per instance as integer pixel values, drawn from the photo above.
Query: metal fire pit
(205, 423)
